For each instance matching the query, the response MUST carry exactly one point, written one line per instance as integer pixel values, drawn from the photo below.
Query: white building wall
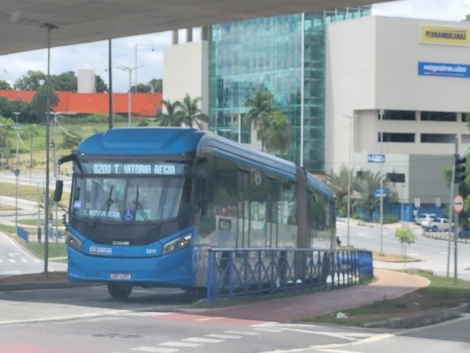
(186, 72)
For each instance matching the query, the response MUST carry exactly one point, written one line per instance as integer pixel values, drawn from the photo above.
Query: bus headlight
(177, 244)
(74, 242)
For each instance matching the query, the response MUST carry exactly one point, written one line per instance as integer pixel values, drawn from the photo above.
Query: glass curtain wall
(266, 52)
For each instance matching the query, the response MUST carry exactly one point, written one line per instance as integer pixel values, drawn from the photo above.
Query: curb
(45, 285)
(422, 320)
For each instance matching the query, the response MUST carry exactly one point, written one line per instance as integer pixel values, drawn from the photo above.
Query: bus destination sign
(134, 168)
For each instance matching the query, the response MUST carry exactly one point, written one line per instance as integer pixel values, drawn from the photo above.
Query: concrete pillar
(175, 37)
(205, 33)
(189, 34)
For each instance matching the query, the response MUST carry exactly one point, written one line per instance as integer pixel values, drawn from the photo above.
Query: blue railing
(242, 272)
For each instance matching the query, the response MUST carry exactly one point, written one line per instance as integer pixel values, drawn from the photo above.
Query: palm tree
(190, 113)
(29, 132)
(261, 107)
(366, 185)
(172, 117)
(339, 185)
(275, 136)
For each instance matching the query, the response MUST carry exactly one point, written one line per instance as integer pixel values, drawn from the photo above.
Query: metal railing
(243, 272)
(464, 236)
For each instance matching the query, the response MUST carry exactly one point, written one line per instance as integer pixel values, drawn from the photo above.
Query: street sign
(438, 202)
(380, 192)
(417, 202)
(458, 203)
(376, 158)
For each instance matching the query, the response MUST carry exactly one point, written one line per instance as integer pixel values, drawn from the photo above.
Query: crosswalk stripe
(24, 260)
(266, 329)
(226, 337)
(155, 350)
(243, 333)
(11, 260)
(179, 344)
(202, 340)
(37, 260)
(1, 261)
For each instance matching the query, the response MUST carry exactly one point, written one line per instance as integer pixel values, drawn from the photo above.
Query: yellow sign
(445, 35)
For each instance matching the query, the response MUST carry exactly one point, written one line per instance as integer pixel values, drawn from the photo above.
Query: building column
(189, 34)
(204, 33)
(175, 37)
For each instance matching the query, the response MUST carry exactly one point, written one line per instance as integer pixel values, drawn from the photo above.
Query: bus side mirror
(59, 185)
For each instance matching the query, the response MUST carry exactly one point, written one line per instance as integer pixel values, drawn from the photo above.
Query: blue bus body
(147, 203)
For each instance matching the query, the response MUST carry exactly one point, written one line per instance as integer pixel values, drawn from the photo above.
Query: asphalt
(431, 252)
(16, 260)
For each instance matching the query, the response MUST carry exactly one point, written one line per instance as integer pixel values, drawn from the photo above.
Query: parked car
(436, 224)
(424, 217)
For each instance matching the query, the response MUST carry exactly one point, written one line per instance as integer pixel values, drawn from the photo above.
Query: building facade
(418, 72)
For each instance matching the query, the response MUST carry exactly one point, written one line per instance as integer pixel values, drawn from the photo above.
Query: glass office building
(267, 52)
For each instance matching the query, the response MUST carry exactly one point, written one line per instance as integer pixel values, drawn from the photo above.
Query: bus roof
(177, 140)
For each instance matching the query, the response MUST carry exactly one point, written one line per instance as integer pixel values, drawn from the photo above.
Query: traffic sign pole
(457, 206)
(451, 207)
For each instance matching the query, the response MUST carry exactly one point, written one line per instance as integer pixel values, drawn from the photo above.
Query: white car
(437, 224)
(424, 217)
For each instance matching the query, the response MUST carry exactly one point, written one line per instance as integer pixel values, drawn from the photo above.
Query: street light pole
(349, 175)
(381, 182)
(135, 61)
(129, 70)
(17, 173)
(49, 28)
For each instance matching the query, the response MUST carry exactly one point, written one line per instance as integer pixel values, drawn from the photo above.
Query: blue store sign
(443, 69)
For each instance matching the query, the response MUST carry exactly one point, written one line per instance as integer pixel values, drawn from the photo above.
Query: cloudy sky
(150, 47)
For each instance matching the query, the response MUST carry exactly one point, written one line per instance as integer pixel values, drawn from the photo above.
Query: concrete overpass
(83, 21)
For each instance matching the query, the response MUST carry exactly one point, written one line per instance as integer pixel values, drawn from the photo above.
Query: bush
(143, 122)
(389, 219)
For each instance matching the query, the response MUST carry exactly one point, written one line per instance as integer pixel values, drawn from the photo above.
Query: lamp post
(49, 28)
(129, 104)
(351, 148)
(17, 172)
(135, 61)
(381, 182)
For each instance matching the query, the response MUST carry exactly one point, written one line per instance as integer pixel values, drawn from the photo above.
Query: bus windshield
(131, 192)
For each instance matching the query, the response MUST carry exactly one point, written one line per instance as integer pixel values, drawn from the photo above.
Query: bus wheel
(120, 290)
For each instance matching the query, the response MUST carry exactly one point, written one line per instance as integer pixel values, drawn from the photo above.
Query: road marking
(155, 350)
(11, 260)
(1, 261)
(267, 329)
(283, 309)
(242, 333)
(202, 340)
(179, 344)
(336, 351)
(208, 318)
(24, 260)
(37, 260)
(320, 333)
(224, 337)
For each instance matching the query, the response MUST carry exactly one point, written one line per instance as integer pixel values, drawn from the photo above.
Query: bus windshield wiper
(139, 207)
(107, 204)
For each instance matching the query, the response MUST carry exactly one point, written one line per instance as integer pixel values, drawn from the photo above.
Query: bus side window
(206, 194)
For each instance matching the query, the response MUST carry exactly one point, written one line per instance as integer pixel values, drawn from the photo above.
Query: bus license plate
(120, 276)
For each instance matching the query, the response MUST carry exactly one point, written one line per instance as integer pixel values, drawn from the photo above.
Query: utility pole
(56, 177)
(17, 173)
(349, 176)
(129, 70)
(451, 210)
(381, 182)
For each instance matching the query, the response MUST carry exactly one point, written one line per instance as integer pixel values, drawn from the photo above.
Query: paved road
(36, 178)
(433, 253)
(14, 260)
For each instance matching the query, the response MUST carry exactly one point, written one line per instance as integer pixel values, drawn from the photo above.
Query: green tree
(365, 186)
(157, 85)
(6, 107)
(261, 108)
(71, 141)
(100, 86)
(6, 125)
(190, 113)
(141, 88)
(30, 132)
(39, 101)
(464, 190)
(406, 236)
(339, 185)
(172, 117)
(4, 85)
(31, 81)
(275, 137)
(66, 81)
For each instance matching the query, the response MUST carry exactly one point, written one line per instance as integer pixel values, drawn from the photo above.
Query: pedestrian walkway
(389, 285)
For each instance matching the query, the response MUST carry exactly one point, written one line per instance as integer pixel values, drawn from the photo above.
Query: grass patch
(12, 230)
(7, 208)
(25, 192)
(392, 257)
(55, 250)
(441, 294)
(34, 222)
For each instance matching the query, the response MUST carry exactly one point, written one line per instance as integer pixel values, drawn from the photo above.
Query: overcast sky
(95, 55)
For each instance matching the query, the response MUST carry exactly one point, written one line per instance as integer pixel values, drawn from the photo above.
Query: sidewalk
(389, 285)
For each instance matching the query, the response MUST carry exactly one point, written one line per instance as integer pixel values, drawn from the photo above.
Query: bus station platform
(388, 285)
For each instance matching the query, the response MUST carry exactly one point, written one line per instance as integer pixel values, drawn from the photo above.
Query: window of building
(396, 177)
(403, 115)
(438, 116)
(438, 138)
(397, 137)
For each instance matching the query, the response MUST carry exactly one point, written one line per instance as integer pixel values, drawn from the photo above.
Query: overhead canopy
(83, 21)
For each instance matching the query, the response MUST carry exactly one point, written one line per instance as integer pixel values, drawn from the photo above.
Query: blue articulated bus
(147, 204)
